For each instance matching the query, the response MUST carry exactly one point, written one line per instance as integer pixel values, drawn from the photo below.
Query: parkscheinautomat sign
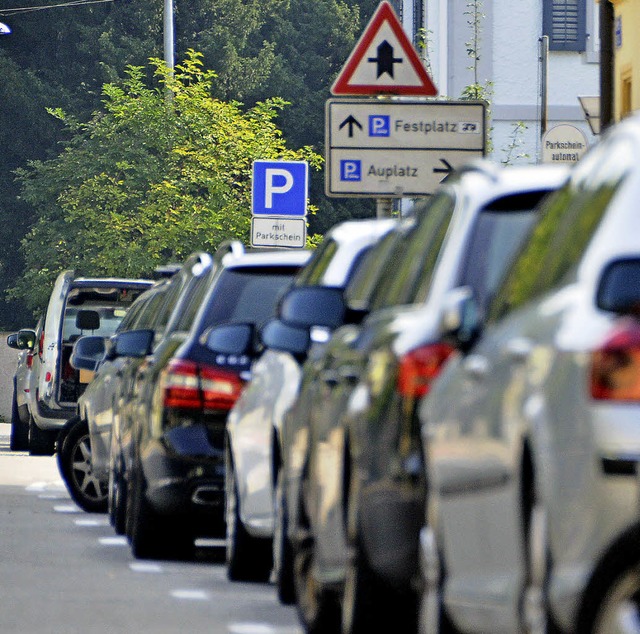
(399, 147)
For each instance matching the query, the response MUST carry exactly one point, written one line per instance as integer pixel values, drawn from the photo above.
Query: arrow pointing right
(447, 169)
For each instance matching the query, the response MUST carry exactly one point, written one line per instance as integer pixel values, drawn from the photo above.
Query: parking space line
(190, 595)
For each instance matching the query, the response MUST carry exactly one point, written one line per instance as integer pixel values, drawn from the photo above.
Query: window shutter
(565, 22)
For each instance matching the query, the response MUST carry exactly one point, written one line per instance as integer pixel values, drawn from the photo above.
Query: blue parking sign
(280, 188)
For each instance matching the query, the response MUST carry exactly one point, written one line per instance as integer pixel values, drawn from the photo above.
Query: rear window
(111, 304)
(247, 295)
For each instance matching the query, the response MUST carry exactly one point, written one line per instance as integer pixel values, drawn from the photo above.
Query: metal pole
(544, 79)
(607, 63)
(168, 34)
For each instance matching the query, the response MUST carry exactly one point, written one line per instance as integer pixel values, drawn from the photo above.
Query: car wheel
(432, 618)
(117, 499)
(248, 558)
(364, 605)
(282, 549)
(613, 601)
(41, 441)
(318, 609)
(74, 462)
(19, 440)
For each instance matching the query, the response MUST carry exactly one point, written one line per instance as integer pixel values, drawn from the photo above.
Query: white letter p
(271, 189)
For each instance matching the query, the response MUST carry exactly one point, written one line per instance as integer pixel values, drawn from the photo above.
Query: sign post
(279, 203)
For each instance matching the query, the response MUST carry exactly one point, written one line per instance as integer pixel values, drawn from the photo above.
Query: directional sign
(384, 61)
(399, 148)
(280, 188)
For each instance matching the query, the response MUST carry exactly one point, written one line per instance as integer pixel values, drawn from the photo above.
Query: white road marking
(113, 541)
(191, 595)
(91, 522)
(137, 566)
(262, 628)
(67, 508)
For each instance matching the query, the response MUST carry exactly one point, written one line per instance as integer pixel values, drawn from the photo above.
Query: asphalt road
(65, 571)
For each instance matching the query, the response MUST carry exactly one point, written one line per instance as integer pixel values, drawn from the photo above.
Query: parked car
(252, 455)
(360, 505)
(84, 442)
(24, 341)
(100, 304)
(181, 396)
(532, 433)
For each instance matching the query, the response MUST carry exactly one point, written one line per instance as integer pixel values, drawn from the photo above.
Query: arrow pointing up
(350, 121)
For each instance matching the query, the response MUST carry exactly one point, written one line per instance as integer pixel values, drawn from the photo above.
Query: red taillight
(420, 367)
(41, 344)
(615, 366)
(188, 385)
(30, 359)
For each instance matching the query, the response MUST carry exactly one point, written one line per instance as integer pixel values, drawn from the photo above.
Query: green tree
(147, 179)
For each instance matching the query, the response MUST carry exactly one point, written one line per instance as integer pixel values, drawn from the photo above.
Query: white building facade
(497, 44)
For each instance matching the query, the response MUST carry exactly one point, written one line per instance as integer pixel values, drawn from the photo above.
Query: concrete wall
(8, 360)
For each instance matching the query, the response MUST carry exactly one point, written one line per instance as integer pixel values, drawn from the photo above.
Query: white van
(77, 306)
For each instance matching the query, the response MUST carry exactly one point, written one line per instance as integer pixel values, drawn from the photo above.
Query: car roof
(275, 257)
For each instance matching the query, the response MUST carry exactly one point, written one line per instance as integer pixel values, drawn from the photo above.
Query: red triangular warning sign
(384, 61)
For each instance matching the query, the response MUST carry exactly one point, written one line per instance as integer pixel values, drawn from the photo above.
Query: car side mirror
(619, 287)
(24, 339)
(131, 343)
(460, 321)
(87, 353)
(231, 339)
(278, 335)
(308, 306)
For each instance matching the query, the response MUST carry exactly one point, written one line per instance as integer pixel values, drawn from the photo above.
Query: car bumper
(184, 473)
(392, 515)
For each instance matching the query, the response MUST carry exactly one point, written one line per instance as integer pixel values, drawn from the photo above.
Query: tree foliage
(60, 59)
(158, 172)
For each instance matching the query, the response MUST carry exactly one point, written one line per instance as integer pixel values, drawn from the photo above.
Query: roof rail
(235, 247)
(165, 270)
(485, 166)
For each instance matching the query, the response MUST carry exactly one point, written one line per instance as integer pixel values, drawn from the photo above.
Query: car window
(314, 271)
(496, 236)
(568, 220)
(365, 283)
(247, 294)
(417, 255)
(191, 300)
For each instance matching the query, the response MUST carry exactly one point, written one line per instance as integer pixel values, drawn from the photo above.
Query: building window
(565, 22)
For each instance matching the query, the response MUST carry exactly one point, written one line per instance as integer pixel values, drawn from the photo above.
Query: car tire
(19, 440)
(432, 617)
(74, 463)
(117, 499)
(282, 549)
(41, 441)
(248, 558)
(612, 601)
(318, 608)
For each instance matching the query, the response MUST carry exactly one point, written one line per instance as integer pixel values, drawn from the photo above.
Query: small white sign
(278, 232)
(563, 144)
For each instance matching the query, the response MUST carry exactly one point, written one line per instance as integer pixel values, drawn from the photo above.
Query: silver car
(531, 434)
(253, 433)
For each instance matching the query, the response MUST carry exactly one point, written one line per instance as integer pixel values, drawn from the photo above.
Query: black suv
(181, 395)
